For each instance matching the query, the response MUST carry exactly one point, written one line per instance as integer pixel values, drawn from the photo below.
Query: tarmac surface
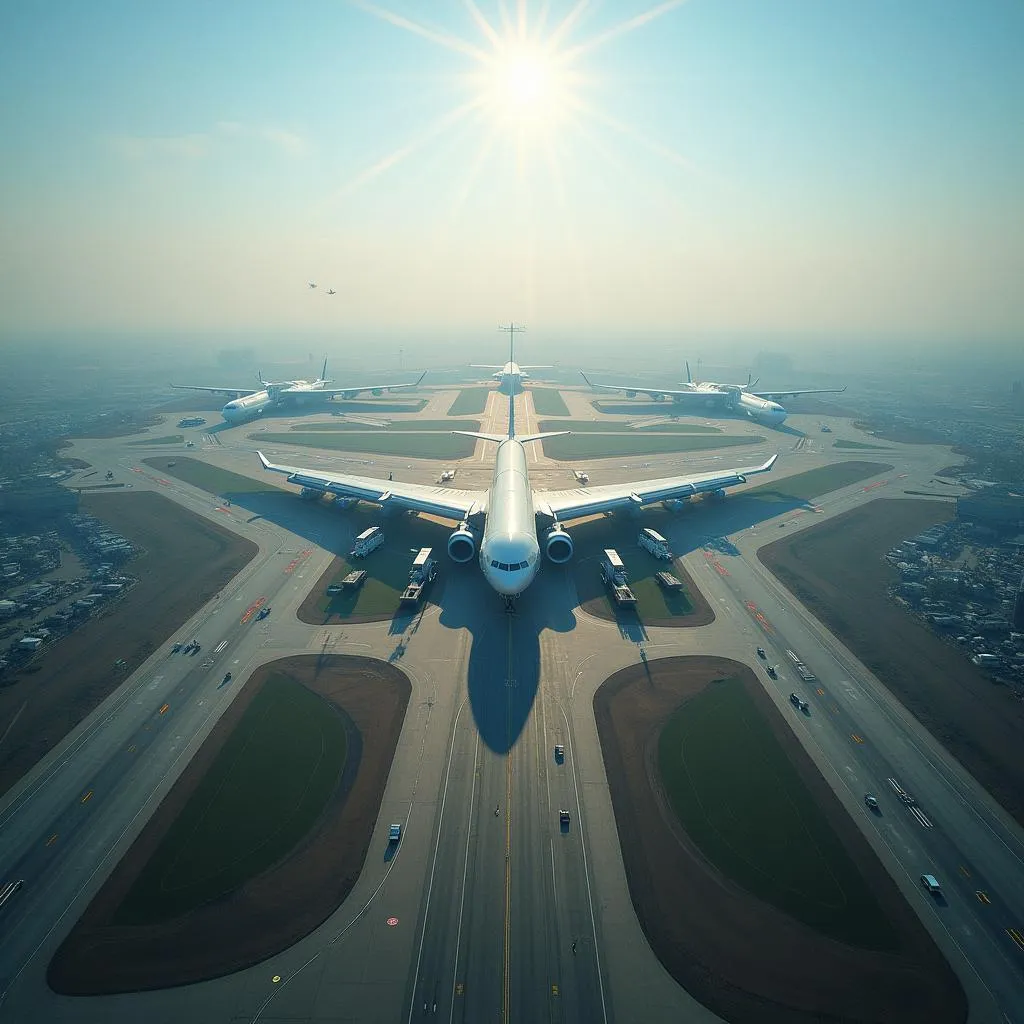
(484, 915)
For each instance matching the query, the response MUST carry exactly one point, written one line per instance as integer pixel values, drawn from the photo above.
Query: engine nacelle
(558, 545)
(718, 494)
(462, 544)
(631, 394)
(377, 392)
(349, 395)
(657, 397)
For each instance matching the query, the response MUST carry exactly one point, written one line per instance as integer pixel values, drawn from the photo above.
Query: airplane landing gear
(510, 604)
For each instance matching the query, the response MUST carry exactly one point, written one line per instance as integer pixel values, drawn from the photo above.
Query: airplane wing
(449, 502)
(790, 394)
(579, 501)
(356, 390)
(654, 392)
(486, 366)
(234, 392)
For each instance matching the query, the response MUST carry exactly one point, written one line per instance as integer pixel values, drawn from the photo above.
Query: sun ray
(565, 26)
(441, 38)
(521, 19)
(638, 21)
(403, 152)
(541, 23)
(483, 24)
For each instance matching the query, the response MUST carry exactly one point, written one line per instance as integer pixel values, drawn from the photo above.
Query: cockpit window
(503, 565)
(494, 563)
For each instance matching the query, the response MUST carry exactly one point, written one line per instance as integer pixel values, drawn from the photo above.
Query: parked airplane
(510, 375)
(759, 405)
(510, 522)
(248, 402)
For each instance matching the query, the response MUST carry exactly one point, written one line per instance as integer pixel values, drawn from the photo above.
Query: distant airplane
(510, 374)
(759, 405)
(510, 521)
(330, 291)
(248, 402)
(312, 284)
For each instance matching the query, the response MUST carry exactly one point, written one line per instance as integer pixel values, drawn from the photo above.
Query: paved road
(474, 915)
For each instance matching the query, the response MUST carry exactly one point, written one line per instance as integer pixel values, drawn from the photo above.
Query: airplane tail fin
(689, 379)
(323, 372)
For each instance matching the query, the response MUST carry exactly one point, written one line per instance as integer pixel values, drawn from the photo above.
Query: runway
(486, 907)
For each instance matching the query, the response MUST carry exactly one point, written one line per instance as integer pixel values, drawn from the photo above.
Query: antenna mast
(513, 330)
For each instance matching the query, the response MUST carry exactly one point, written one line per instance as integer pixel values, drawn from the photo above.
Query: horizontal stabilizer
(496, 438)
(541, 437)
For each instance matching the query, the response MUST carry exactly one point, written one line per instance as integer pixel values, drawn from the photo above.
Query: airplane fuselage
(238, 410)
(510, 553)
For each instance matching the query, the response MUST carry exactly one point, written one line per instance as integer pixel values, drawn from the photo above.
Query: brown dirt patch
(278, 907)
(742, 958)
(183, 561)
(838, 570)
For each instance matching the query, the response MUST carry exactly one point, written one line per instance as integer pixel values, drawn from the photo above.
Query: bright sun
(521, 85)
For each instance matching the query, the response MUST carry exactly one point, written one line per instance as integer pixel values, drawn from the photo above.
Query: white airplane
(331, 291)
(248, 402)
(509, 375)
(510, 521)
(312, 284)
(759, 405)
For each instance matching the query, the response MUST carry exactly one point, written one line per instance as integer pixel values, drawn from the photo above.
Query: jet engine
(558, 544)
(657, 397)
(631, 394)
(349, 395)
(462, 544)
(377, 391)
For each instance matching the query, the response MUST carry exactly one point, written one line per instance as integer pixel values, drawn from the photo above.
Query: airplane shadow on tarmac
(503, 674)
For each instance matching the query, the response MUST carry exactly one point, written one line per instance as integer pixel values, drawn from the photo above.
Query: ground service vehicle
(395, 832)
(369, 540)
(872, 803)
(760, 652)
(652, 541)
(263, 612)
(931, 883)
(798, 702)
(559, 753)
(563, 818)
(615, 576)
(227, 678)
(422, 573)
(773, 671)
(668, 582)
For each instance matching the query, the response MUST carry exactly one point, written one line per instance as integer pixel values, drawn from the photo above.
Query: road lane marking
(963, 871)
(87, 797)
(856, 738)
(1016, 936)
(165, 709)
(220, 647)
(52, 839)
(983, 897)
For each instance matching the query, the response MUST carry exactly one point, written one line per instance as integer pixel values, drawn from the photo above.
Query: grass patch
(590, 446)
(549, 402)
(744, 804)
(470, 402)
(410, 445)
(396, 427)
(860, 444)
(168, 439)
(213, 478)
(263, 793)
(603, 427)
(815, 482)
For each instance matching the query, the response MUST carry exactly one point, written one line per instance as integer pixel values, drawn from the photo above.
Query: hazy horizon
(691, 177)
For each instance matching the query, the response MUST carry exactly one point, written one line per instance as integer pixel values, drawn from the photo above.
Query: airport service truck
(369, 540)
(652, 541)
(616, 578)
(423, 572)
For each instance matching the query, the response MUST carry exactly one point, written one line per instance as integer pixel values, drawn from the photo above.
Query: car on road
(773, 671)
(760, 653)
(559, 753)
(563, 818)
(395, 832)
(227, 677)
(176, 647)
(872, 802)
(798, 702)
(263, 612)
(931, 883)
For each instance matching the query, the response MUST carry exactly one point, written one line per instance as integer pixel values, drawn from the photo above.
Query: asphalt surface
(474, 915)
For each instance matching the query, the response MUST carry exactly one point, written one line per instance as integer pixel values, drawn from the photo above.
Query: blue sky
(800, 167)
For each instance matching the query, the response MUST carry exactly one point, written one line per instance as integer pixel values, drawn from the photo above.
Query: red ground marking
(166, 483)
(220, 508)
(135, 469)
(392, 921)
(252, 610)
(880, 483)
(721, 569)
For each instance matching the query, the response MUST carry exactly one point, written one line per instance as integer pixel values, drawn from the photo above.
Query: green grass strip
(214, 479)
(860, 444)
(743, 803)
(548, 402)
(261, 796)
(397, 426)
(411, 445)
(591, 446)
(470, 402)
(815, 482)
(620, 427)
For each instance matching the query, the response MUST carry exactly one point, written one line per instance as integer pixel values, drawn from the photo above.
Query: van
(369, 540)
(931, 883)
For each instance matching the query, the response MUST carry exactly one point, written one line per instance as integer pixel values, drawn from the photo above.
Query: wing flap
(572, 504)
(440, 501)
